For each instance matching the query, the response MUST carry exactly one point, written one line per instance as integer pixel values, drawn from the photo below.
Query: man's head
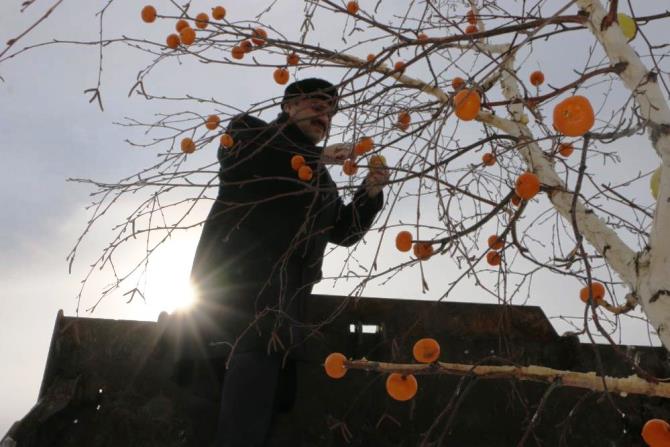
(310, 105)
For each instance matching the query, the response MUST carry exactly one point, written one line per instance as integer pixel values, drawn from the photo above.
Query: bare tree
(473, 143)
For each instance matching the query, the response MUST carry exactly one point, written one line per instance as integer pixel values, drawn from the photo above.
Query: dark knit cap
(311, 88)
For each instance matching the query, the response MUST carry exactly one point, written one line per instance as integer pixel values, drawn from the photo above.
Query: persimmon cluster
(185, 34)
(401, 387)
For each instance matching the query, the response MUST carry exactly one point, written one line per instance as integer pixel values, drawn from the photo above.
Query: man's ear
(287, 106)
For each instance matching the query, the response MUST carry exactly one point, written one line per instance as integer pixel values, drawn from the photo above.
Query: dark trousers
(255, 387)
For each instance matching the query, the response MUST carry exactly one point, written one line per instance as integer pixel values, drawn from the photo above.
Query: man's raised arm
(355, 218)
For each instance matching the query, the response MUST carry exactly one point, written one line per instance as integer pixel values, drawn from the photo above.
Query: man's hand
(335, 154)
(378, 176)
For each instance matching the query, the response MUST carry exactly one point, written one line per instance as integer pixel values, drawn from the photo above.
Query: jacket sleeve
(355, 219)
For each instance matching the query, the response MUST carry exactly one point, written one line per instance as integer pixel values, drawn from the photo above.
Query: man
(262, 246)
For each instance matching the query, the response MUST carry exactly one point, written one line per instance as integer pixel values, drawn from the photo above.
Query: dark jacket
(262, 245)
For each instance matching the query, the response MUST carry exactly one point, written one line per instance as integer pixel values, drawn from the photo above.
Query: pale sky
(49, 132)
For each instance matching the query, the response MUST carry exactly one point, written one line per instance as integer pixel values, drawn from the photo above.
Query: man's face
(311, 115)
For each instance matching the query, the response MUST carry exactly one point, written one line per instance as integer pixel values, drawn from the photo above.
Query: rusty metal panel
(114, 382)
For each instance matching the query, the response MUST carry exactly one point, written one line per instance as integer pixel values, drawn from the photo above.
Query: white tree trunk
(620, 257)
(653, 285)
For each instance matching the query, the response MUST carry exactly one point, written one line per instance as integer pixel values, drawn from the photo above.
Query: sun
(169, 294)
(168, 286)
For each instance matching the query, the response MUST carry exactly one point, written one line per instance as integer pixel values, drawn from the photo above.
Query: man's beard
(313, 130)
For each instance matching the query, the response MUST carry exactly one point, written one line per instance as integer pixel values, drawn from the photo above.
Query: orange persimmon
(281, 76)
(565, 149)
(349, 167)
(489, 159)
(574, 116)
(227, 141)
(297, 161)
(334, 365)
(656, 433)
(457, 83)
(423, 250)
(493, 258)
(467, 104)
(403, 241)
(181, 24)
(212, 122)
(246, 45)
(495, 243)
(293, 59)
(237, 52)
(527, 185)
(148, 14)
(172, 41)
(426, 350)
(597, 291)
(187, 35)
(305, 173)
(404, 119)
(364, 145)
(537, 78)
(352, 7)
(218, 13)
(201, 20)
(258, 37)
(187, 146)
(401, 387)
